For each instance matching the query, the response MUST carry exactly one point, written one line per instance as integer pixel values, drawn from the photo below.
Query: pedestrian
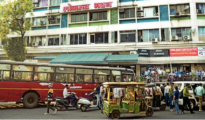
(199, 92)
(162, 89)
(50, 98)
(171, 93)
(98, 93)
(175, 100)
(166, 94)
(158, 93)
(186, 99)
(203, 75)
(102, 92)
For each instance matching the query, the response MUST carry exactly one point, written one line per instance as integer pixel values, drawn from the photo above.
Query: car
(193, 98)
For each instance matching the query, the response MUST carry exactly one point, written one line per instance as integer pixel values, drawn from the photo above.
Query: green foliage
(13, 21)
(140, 78)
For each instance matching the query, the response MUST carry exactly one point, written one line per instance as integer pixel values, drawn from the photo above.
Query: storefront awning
(80, 58)
(122, 58)
(45, 57)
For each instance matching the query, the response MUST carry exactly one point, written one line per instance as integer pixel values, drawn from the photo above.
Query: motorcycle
(63, 103)
(85, 103)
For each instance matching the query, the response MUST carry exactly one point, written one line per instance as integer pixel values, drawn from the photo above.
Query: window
(165, 34)
(101, 76)
(54, 19)
(44, 73)
(41, 3)
(128, 13)
(65, 75)
(22, 72)
(79, 17)
(116, 76)
(98, 16)
(184, 9)
(78, 39)
(63, 40)
(40, 21)
(99, 38)
(127, 36)
(37, 41)
(147, 35)
(201, 32)
(114, 37)
(55, 2)
(84, 75)
(181, 32)
(54, 40)
(150, 11)
(4, 71)
(200, 8)
(26, 40)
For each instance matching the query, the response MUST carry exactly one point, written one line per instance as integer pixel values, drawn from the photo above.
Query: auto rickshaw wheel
(163, 107)
(115, 114)
(150, 111)
(83, 108)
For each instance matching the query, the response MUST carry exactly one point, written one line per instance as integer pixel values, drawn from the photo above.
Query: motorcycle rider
(66, 95)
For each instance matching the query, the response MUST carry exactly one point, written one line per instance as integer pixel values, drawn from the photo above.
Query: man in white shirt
(66, 95)
(166, 94)
(203, 75)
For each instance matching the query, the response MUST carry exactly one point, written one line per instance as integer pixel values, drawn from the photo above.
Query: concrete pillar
(193, 68)
(137, 70)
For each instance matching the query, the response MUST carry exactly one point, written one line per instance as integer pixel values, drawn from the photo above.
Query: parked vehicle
(129, 102)
(63, 103)
(193, 99)
(151, 97)
(85, 103)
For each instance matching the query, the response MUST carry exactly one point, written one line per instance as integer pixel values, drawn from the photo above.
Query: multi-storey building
(167, 34)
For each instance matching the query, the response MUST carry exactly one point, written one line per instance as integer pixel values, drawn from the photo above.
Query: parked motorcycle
(85, 103)
(63, 103)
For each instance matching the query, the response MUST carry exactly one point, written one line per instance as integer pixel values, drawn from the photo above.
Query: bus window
(65, 75)
(22, 72)
(116, 76)
(84, 75)
(101, 76)
(44, 74)
(4, 71)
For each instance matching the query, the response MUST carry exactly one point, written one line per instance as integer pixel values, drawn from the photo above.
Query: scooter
(85, 103)
(63, 103)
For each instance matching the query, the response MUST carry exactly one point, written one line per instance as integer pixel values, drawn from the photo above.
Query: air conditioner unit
(186, 8)
(35, 1)
(50, 17)
(35, 44)
(154, 39)
(199, 11)
(121, 10)
(178, 13)
(140, 9)
(133, 52)
(175, 38)
(140, 14)
(186, 37)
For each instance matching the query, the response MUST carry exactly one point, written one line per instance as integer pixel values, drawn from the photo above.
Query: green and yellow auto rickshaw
(125, 98)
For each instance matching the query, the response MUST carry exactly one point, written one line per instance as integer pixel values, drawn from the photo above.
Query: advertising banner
(176, 52)
(201, 51)
(153, 53)
(87, 5)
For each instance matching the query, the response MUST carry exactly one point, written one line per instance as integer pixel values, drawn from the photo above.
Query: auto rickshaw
(151, 96)
(125, 97)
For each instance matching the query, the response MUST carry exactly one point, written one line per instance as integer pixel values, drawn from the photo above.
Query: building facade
(167, 34)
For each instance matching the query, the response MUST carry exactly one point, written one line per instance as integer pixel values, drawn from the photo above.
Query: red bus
(27, 83)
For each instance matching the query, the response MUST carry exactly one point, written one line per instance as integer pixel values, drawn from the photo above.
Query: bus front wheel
(30, 100)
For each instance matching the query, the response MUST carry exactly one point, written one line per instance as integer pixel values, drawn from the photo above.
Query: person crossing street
(199, 92)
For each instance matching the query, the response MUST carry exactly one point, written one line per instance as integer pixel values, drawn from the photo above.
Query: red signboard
(183, 52)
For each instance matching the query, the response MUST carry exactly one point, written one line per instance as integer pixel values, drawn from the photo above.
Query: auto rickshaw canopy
(121, 84)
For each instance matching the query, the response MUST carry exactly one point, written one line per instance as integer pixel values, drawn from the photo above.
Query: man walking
(186, 99)
(166, 94)
(203, 75)
(162, 89)
(176, 99)
(171, 93)
(199, 92)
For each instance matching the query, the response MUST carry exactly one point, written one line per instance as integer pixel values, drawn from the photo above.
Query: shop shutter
(64, 21)
(114, 16)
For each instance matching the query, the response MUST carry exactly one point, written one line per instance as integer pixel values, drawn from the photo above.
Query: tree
(13, 21)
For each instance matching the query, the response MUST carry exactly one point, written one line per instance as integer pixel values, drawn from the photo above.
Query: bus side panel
(14, 93)
(4, 91)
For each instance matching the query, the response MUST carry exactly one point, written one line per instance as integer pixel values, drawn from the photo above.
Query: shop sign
(201, 51)
(153, 53)
(87, 5)
(183, 52)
